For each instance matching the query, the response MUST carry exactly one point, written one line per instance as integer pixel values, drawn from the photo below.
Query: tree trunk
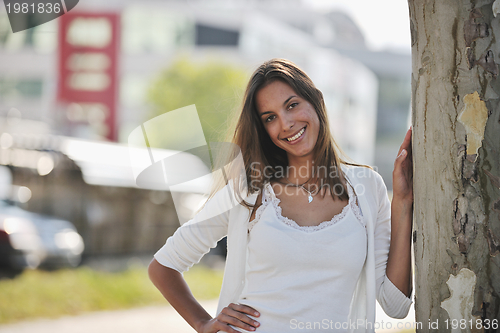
(456, 143)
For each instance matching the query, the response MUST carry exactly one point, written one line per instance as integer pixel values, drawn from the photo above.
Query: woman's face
(290, 120)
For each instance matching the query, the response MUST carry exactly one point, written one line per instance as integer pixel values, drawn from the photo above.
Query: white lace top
(269, 198)
(303, 278)
(222, 216)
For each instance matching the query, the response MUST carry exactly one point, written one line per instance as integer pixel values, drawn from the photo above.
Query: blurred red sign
(88, 57)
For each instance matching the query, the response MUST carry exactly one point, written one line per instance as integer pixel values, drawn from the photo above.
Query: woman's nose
(287, 123)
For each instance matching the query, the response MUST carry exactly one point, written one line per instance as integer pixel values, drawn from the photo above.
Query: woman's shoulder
(361, 173)
(229, 196)
(366, 182)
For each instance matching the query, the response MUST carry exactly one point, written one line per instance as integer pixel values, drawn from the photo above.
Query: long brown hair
(261, 157)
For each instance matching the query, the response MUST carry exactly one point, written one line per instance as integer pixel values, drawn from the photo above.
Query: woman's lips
(294, 138)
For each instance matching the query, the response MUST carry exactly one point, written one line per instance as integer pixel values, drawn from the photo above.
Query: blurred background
(73, 89)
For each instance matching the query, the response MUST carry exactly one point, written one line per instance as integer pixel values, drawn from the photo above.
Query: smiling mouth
(296, 136)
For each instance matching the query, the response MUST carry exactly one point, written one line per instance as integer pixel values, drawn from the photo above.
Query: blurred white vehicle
(31, 240)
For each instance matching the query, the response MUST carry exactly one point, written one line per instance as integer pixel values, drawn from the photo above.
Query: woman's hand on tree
(402, 176)
(235, 315)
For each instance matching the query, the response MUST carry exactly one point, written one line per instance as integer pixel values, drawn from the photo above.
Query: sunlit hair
(257, 148)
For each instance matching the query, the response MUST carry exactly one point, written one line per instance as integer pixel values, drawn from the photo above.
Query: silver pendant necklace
(310, 197)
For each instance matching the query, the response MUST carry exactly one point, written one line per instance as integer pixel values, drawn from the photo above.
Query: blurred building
(365, 92)
(154, 33)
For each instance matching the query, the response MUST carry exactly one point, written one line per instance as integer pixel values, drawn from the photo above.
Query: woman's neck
(299, 170)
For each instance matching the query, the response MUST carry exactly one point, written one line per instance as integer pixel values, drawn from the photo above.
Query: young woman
(315, 241)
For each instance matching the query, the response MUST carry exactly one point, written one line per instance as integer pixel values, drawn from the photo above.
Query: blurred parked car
(33, 240)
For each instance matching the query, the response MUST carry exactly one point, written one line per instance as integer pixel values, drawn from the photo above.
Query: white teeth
(296, 136)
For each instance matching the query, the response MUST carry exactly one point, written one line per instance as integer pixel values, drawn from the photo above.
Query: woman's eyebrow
(288, 99)
(284, 103)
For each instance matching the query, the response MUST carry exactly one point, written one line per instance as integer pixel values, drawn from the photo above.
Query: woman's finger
(240, 316)
(236, 321)
(400, 158)
(222, 327)
(245, 309)
(406, 144)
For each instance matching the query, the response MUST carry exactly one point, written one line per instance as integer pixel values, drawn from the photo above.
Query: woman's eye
(291, 106)
(268, 119)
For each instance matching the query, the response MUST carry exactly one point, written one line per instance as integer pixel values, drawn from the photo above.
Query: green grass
(37, 293)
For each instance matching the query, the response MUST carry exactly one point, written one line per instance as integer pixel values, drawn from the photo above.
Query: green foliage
(68, 292)
(214, 87)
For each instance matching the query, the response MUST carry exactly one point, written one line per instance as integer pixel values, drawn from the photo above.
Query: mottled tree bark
(456, 144)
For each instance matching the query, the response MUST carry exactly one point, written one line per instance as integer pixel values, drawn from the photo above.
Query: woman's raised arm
(399, 261)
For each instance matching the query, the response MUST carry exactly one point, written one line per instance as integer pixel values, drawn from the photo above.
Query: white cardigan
(223, 215)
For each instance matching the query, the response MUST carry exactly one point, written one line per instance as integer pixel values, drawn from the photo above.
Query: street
(152, 319)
